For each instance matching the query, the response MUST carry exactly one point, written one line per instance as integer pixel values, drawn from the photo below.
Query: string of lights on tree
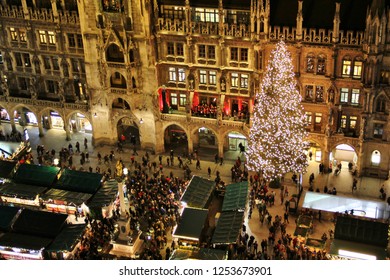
(276, 142)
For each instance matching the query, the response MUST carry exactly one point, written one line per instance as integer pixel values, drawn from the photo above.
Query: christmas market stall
(198, 193)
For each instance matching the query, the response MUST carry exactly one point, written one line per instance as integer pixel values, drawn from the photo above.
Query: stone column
(67, 130)
(190, 143)
(13, 126)
(220, 149)
(40, 128)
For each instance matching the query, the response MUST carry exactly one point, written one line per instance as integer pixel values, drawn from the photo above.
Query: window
(71, 41)
(203, 77)
(355, 96)
(173, 12)
(308, 118)
(375, 158)
(319, 93)
(179, 49)
(14, 34)
(182, 75)
(344, 92)
(234, 54)
(26, 58)
(321, 69)
(46, 62)
(318, 119)
(352, 122)
(80, 43)
(9, 63)
(206, 15)
(56, 66)
(183, 100)
(343, 121)
(174, 99)
(243, 54)
(309, 92)
(75, 65)
(357, 69)
(171, 49)
(212, 77)
(310, 64)
(51, 86)
(381, 104)
(52, 37)
(202, 51)
(42, 37)
(22, 83)
(346, 71)
(234, 80)
(172, 74)
(244, 80)
(211, 52)
(18, 59)
(378, 130)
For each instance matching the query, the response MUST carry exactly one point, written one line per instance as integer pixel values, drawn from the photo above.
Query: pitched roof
(191, 223)
(198, 192)
(228, 227)
(37, 175)
(79, 181)
(235, 197)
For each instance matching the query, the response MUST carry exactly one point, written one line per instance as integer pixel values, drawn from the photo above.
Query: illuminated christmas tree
(276, 142)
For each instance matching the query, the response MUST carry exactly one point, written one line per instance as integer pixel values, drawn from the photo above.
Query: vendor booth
(62, 201)
(198, 193)
(199, 254)
(101, 204)
(23, 194)
(236, 197)
(37, 175)
(191, 226)
(228, 228)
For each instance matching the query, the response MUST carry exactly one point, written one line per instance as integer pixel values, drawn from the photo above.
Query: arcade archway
(175, 138)
(129, 129)
(80, 124)
(343, 155)
(205, 141)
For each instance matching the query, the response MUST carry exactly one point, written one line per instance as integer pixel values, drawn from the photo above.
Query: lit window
(52, 37)
(376, 158)
(173, 98)
(308, 118)
(234, 80)
(172, 74)
(355, 96)
(309, 92)
(203, 77)
(42, 37)
(321, 65)
(14, 34)
(212, 77)
(318, 118)
(344, 92)
(378, 130)
(183, 100)
(343, 121)
(244, 80)
(182, 75)
(310, 64)
(357, 69)
(352, 122)
(319, 93)
(346, 71)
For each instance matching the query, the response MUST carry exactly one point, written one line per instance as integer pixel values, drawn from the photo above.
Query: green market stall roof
(79, 181)
(67, 239)
(228, 227)
(22, 191)
(24, 241)
(76, 198)
(6, 168)
(235, 197)
(191, 224)
(39, 223)
(7, 216)
(198, 192)
(37, 175)
(105, 195)
(198, 254)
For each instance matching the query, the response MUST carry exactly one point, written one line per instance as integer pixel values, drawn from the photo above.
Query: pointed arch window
(357, 68)
(380, 104)
(346, 68)
(321, 64)
(310, 63)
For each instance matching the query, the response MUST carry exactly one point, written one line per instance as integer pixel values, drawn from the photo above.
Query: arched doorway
(129, 129)
(175, 138)
(51, 119)
(235, 144)
(205, 141)
(80, 124)
(343, 155)
(314, 153)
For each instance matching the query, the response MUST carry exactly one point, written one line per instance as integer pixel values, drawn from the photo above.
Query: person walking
(198, 164)
(209, 171)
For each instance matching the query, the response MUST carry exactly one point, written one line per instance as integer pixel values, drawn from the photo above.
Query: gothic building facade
(168, 71)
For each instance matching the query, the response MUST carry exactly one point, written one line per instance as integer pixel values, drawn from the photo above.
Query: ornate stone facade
(162, 65)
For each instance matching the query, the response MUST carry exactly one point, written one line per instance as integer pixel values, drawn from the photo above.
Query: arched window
(357, 68)
(347, 64)
(375, 158)
(117, 80)
(380, 104)
(310, 63)
(321, 64)
(114, 54)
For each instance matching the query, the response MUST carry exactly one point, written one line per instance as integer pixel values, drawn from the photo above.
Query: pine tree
(276, 143)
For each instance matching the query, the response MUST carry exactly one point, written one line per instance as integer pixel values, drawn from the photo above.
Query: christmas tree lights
(276, 142)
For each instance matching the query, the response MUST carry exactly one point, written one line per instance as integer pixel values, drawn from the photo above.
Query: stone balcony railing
(65, 17)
